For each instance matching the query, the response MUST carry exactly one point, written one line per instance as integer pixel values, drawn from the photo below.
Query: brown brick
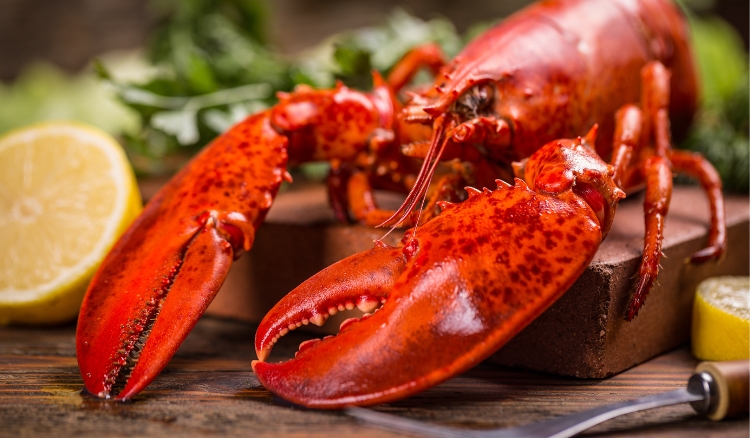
(584, 334)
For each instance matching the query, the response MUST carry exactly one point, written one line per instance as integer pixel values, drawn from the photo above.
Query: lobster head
(465, 113)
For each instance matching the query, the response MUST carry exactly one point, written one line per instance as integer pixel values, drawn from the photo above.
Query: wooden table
(209, 389)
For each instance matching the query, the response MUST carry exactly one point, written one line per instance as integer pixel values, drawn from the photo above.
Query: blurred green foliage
(720, 129)
(357, 53)
(209, 66)
(213, 69)
(44, 92)
(211, 57)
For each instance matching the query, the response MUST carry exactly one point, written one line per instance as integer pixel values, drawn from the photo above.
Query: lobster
(469, 276)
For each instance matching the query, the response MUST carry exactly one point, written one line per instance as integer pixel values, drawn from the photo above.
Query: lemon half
(67, 192)
(721, 319)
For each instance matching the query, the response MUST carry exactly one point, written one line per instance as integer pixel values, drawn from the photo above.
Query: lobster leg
(655, 206)
(628, 123)
(427, 55)
(350, 187)
(463, 285)
(643, 153)
(696, 166)
(362, 198)
(628, 132)
(336, 183)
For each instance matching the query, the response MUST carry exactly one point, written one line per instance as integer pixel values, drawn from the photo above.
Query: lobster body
(561, 67)
(464, 283)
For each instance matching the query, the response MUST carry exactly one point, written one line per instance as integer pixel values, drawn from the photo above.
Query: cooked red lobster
(608, 75)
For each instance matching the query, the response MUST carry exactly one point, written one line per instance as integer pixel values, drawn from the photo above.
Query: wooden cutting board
(208, 389)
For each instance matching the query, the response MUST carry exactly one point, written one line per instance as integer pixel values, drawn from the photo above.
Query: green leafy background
(208, 65)
(720, 130)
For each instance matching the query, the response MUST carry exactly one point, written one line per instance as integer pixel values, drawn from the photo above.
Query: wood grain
(209, 389)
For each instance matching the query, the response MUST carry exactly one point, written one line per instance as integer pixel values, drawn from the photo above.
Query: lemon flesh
(721, 319)
(67, 192)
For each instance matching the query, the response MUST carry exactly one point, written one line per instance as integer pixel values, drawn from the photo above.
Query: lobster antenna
(419, 190)
(419, 212)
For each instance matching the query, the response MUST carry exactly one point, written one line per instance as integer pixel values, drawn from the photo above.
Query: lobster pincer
(165, 270)
(453, 292)
(163, 273)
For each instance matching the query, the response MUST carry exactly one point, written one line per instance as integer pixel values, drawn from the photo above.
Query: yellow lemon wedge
(721, 319)
(67, 192)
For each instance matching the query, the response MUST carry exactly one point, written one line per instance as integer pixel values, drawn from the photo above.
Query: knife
(716, 390)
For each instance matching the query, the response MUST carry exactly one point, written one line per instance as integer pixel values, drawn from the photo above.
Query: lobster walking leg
(632, 130)
(449, 188)
(628, 124)
(427, 55)
(655, 206)
(642, 153)
(696, 166)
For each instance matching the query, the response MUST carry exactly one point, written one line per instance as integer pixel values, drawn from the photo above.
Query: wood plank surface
(209, 389)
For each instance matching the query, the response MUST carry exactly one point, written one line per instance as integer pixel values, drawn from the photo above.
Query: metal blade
(560, 427)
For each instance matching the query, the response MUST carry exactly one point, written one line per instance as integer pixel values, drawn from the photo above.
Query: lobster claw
(165, 270)
(457, 289)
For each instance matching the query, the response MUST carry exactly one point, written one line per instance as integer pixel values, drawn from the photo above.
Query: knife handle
(730, 387)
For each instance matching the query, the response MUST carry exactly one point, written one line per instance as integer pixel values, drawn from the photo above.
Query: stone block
(584, 334)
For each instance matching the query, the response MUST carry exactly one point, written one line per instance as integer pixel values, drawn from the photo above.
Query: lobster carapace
(471, 277)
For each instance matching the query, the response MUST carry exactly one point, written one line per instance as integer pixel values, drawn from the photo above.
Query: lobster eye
(476, 100)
